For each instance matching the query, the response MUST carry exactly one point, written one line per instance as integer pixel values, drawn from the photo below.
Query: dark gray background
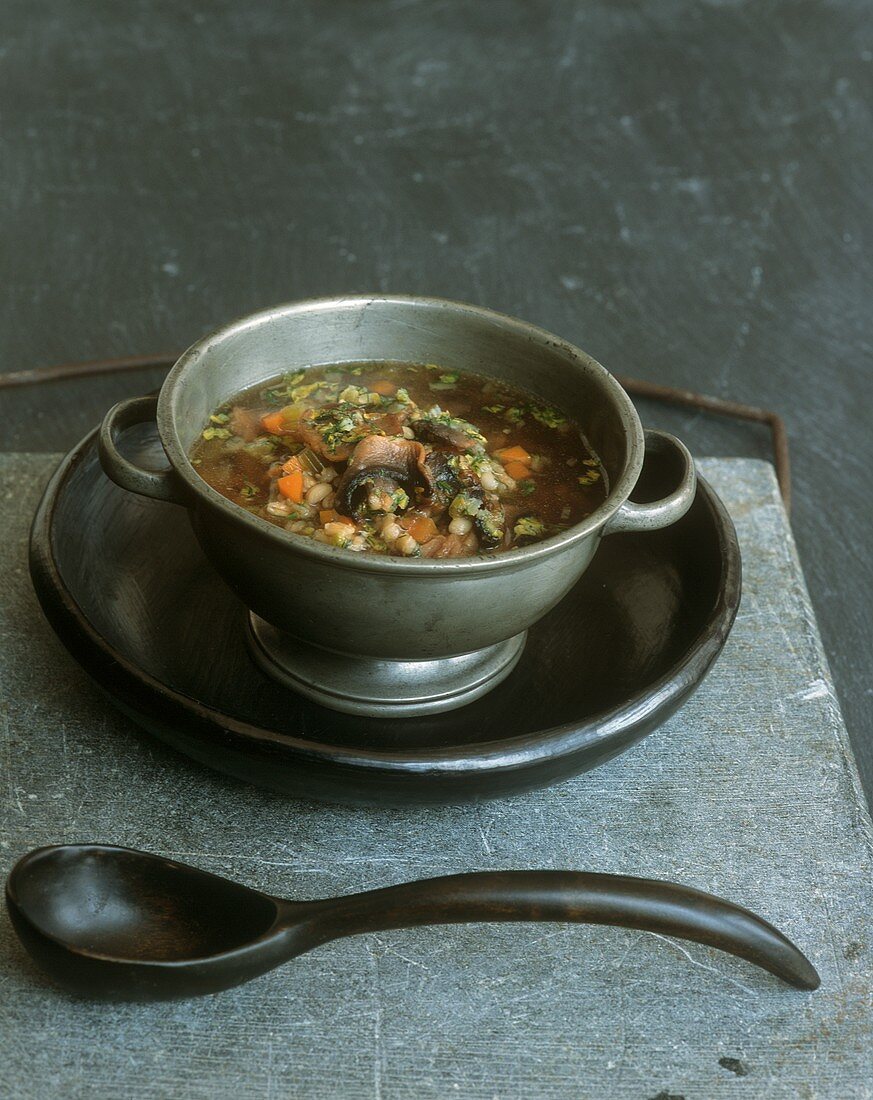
(682, 188)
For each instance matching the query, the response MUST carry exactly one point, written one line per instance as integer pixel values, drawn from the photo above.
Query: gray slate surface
(750, 791)
(681, 187)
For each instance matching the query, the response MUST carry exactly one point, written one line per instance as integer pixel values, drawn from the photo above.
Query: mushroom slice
(387, 424)
(449, 431)
(445, 477)
(382, 471)
(490, 524)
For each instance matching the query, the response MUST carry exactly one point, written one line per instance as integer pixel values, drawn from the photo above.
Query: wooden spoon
(117, 923)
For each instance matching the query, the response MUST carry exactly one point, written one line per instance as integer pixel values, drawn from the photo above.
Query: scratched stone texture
(681, 187)
(750, 792)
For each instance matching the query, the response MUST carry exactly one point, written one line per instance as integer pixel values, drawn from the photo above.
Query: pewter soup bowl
(363, 632)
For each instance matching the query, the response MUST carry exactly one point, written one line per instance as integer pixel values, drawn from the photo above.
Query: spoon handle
(583, 897)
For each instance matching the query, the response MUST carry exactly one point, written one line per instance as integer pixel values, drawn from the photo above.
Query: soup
(401, 458)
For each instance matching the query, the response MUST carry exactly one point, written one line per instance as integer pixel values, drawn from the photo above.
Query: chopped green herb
(446, 381)
(464, 504)
(300, 393)
(444, 485)
(219, 418)
(490, 525)
(399, 500)
(529, 527)
(282, 392)
(514, 415)
(340, 424)
(551, 418)
(437, 416)
(527, 487)
(216, 433)
(473, 462)
(248, 490)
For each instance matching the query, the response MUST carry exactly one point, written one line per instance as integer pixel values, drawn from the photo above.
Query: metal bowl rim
(375, 563)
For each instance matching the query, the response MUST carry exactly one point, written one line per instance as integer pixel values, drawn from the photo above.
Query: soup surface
(401, 458)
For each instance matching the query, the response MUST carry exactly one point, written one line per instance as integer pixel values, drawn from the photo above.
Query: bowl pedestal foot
(377, 687)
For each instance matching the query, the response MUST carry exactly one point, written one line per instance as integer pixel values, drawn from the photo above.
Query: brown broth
(325, 411)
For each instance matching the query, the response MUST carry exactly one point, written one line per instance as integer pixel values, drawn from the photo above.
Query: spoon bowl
(136, 906)
(121, 924)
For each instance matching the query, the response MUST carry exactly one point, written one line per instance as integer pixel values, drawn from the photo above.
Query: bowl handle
(663, 512)
(157, 484)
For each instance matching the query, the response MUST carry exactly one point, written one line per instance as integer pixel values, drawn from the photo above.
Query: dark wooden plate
(124, 584)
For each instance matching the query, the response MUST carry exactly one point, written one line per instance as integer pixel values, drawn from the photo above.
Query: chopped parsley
(551, 418)
(529, 527)
(464, 504)
(340, 424)
(282, 392)
(446, 381)
(527, 487)
(216, 433)
(399, 500)
(437, 416)
(475, 463)
(300, 393)
(490, 526)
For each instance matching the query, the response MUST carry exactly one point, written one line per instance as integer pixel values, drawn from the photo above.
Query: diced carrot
(329, 515)
(273, 423)
(420, 527)
(292, 464)
(291, 486)
(517, 470)
(384, 387)
(513, 454)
